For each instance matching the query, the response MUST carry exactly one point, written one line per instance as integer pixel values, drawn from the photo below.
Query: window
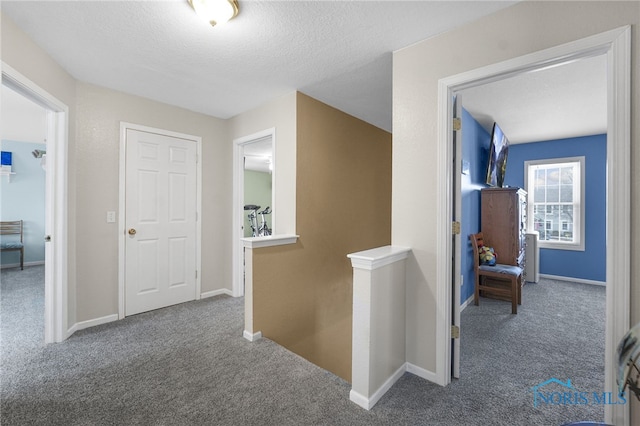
(555, 191)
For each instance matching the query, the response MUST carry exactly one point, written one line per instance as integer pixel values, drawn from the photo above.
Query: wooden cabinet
(504, 222)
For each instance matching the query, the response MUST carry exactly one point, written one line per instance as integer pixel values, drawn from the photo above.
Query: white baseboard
(17, 265)
(368, 403)
(466, 303)
(91, 323)
(216, 293)
(387, 385)
(252, 337)
(71, 330)
(574, 280)
(359, 399)
(421, 372)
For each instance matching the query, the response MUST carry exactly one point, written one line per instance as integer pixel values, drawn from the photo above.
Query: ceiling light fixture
(216, 12)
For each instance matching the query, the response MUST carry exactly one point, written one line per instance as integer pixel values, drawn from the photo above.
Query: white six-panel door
(160, 217)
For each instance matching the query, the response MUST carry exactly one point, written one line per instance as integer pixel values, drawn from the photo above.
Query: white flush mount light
(216, 12)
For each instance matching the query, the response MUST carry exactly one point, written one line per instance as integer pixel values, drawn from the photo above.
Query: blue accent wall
(591, 263)
(23, 197)
(475, 148)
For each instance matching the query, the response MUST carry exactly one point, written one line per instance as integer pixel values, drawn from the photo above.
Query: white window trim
(579, 220)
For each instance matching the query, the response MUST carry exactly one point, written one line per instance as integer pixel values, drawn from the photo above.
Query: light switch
(465, 167)
(111, 217)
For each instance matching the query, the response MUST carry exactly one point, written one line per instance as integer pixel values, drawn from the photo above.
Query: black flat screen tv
(498, 151)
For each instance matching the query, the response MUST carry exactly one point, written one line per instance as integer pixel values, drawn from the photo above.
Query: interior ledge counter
(271, 240)
(378, 257)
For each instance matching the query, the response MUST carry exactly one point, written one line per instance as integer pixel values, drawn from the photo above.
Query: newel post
(378, 345)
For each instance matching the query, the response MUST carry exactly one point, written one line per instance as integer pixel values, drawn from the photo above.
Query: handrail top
(378, 257)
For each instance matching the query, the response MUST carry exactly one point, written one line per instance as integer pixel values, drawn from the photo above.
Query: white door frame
(238, 201)
(616, 44)
(56, 252)
(456, 280)
(124, 126)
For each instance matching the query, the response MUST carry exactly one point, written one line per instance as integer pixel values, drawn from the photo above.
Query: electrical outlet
(111, 217)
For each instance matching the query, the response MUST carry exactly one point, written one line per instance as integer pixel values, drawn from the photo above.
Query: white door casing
(160, 224)
(56, 251)
(457, 237)
(616, 44)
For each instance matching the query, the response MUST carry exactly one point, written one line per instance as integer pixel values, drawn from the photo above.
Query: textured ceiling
(560, 102)
(336, 51)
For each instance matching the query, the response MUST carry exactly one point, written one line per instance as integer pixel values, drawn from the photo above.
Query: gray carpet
(189, 365)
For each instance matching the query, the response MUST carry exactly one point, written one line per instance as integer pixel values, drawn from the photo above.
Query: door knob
(47, 239)
(132, 231)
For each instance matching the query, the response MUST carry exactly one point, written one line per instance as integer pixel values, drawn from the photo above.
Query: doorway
(258, 188)
(23, 184)
(56, 234)
(508, 103)
(615, 45)
(254, 153)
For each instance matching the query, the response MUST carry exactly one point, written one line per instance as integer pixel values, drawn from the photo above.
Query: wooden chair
(499, 272)
(12, 228)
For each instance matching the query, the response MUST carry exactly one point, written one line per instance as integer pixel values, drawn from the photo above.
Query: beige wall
(100, 112)
(93, 167)
(518, 30)
(23, 55)
(93, 172)
(281, 115)
(303, 292)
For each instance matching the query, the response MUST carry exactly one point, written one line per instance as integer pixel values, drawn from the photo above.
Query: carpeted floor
(189, 365)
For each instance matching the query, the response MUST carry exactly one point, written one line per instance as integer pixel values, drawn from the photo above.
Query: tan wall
(100, 112)
(303, 292)
(518, 30)
(23, 55)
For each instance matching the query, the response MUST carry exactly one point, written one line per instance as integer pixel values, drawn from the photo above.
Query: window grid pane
(553, 201)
